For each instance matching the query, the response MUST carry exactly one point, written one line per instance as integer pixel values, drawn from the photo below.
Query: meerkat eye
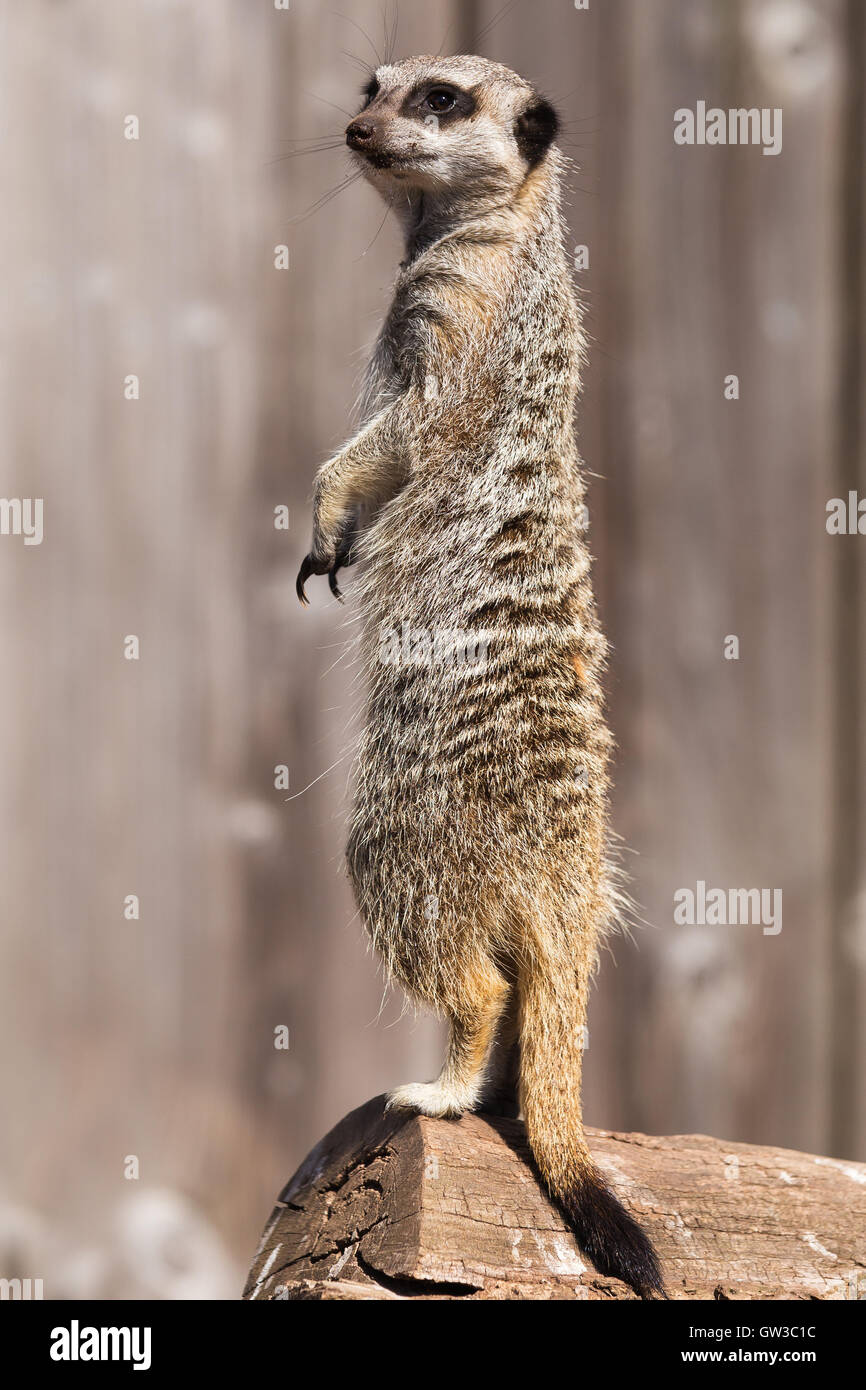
(440, 100)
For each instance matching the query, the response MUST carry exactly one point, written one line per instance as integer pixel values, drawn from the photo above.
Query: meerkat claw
(303, 575)
(332, 581)
(309, 565)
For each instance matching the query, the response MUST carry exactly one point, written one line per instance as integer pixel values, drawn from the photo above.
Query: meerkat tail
(551, 1048)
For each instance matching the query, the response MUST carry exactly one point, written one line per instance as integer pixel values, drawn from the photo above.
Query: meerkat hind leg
(501, 1092)
(461, 1081)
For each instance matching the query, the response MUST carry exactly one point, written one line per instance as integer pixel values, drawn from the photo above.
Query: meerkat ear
(535, 130)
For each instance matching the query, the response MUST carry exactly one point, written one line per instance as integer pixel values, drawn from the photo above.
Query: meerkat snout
(377, 146)
(359, 134)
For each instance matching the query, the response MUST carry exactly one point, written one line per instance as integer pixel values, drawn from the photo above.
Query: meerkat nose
(359, 134)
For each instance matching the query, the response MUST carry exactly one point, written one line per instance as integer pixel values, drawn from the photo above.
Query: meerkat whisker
(360, 64)
(314, 149)
(388, 209)
(501, 14)
(325, 198)
(355, 25)
(333, 105)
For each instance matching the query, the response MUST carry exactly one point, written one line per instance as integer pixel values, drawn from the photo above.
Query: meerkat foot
(438, 1099)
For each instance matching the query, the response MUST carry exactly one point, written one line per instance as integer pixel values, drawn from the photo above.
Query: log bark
(389, 1207)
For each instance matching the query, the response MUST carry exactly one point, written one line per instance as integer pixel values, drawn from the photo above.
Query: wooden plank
(420, 1208)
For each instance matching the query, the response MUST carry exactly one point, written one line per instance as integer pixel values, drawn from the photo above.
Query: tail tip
(612, 1239)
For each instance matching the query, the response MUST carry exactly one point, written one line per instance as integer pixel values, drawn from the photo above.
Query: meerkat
(477, 846)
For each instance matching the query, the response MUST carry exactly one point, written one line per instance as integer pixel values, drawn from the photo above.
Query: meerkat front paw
(327, 557)
(432, 1098)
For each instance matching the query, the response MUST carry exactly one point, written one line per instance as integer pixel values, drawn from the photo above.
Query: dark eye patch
(370, 91)
(416, 103)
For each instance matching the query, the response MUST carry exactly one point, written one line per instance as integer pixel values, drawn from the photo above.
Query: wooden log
(390, 1206)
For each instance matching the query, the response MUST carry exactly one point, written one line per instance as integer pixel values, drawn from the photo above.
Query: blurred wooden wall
(156, 777)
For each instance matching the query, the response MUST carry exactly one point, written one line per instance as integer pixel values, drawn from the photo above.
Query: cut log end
(389, 1207)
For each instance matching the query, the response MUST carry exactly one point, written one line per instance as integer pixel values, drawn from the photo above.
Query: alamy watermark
(738, 126)
(22, 516)
(711, 907)
(846, 516)
(77, 1343)
(21, 1290)
(441, 646)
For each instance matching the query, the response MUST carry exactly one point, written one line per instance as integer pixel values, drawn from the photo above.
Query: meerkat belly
(480, 753)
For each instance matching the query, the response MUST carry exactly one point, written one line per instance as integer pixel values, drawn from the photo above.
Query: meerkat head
(450, 126)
